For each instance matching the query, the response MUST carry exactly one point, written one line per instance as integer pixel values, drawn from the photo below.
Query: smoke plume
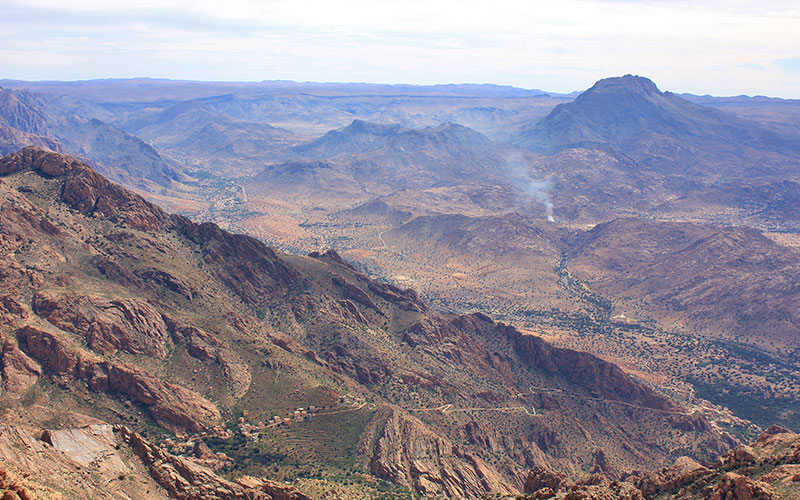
(533, 191)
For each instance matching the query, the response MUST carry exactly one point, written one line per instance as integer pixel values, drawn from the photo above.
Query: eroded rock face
(11, 309)
(87, 445)
(401, 449)
(541, 478)
(734, 486)
(86, 463)
(99, 461)
(87, 191)
(13, 487)
(684, 471)
(601, 378)
(19, 371)
(250, 268)
(601, 488)
(108, 325)
(172, 406)
(753, 472)
(187, 480)
(449, 341)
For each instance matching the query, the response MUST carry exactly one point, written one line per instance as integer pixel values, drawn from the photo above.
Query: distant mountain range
(28, 118)
(629, 111)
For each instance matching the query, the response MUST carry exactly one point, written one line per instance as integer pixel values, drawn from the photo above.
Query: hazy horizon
(395, 84)
(720, 48)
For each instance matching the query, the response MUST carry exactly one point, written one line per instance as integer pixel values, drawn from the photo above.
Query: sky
(704, 47)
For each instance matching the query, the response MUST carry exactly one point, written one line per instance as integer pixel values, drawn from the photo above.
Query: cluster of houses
(298, 415)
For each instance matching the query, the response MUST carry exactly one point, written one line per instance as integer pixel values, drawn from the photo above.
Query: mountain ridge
(230, 315)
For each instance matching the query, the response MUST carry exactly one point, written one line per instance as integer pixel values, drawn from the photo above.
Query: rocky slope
(115, 309)
(733, 281)
(97, 460)
(767, 469)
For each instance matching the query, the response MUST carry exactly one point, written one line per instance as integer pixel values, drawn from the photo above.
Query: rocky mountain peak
(628, 83)
(365, 127)
(86, 190)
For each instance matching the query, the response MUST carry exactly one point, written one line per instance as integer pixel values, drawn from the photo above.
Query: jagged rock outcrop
(401, 449)
(599, 487)
(540, 478)
(449, 340)
(734, 486)
(187, 480)
(14, 487)
(87, 191)
(601, 378)
(407, 300)
(249, 267)
(170, 405)
(11, 310)
(87, 462)
(683, 472)
(600, 465)
(767, 469)
(108, 325)
(19, 372)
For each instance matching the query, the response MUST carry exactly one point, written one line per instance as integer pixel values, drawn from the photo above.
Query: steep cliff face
(107, 325)
(19, 372)
(184, 479)
(87, 191)
(402, 449)
(171, 405)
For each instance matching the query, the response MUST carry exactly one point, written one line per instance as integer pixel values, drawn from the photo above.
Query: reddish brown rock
(202, 451)
(450, 341)
(541, 478)
(742, 455)
(11, 310)
(206, 347)
(352, 292)
(601, 378)
(401, 449)
(276, 490)
(19, 371)
(87, 191)
(734, 486)
(13, 488)
(130, 325)
(172, 406)
(600, 488)
(44, 161)
(600, 465)
(187, 480)
(684, 471)
(246, 265)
